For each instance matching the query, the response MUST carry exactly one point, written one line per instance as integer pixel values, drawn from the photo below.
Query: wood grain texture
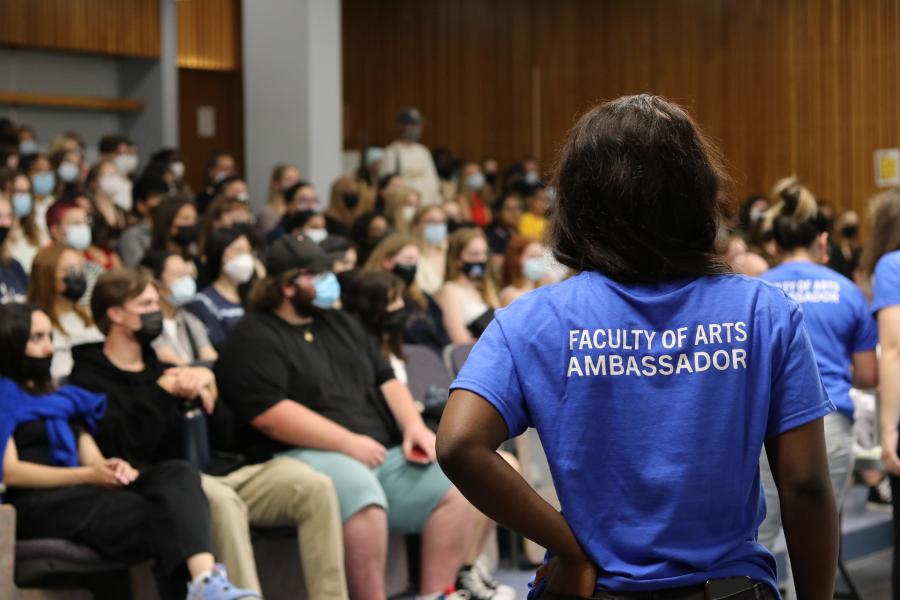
(784, 86)
(115, 27)
(59, 101)
(209, 34)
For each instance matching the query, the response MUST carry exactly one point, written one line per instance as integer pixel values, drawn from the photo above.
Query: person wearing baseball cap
(408, 158)
(305, 382)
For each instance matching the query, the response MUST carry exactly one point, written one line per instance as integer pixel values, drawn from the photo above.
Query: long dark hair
(367, 297)
(15, 329)
(163, 217)
(640, 194)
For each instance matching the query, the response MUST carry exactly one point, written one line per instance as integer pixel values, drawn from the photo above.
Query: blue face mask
(532, 177)
(183, 291)
(434, 234)
(21, 202)
(79, 236)
(533, 268)
(328, 290)
(43, 183)
(475, 181)
(67, 171)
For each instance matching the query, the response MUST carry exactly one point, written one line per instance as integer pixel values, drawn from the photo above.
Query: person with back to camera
(841, 328)
(654, 378)
(881, 264)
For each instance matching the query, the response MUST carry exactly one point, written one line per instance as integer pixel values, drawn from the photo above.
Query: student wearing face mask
(402, 257)
(113, 191)
(13, 278)
(301, 201)
(147, 195)
(25, 235)
(350, 197)
(175, 227)
(169, 165)
(43, 186)
(58, 287)
(219, 166)
(183, 340)
(473, 192)
(122, 152)
(410, 159)
(67, 165)
(844, 256)
(523, 269)
(283, 177)
(64, 486)
(70, 225)
(468, 296)
(307, 383)
(232, 187)
(401, 206)
(230, 265)
(507, 210)
(430, 229)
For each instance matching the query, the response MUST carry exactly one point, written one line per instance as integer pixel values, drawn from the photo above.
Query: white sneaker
(501, 591)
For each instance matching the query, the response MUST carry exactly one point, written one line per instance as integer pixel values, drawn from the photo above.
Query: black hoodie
(139, 425)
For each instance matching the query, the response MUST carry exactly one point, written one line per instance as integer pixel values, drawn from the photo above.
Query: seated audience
(112, 193)
(283, 177)
(468, 296)
(147, 194)
(224, 213)
(345, 252)
(230, 265)
(300, 199)
(219, 165)
(531, 224)
(369, 229)
(183, 340)
(507, 214)
(430, 229)
(64, 486)
(145, 397)
(43, 185)
(401, 256)
(473, 195)
(25, 236)
(13, 278)
(523, 269)
(58, 286)
(308, 383)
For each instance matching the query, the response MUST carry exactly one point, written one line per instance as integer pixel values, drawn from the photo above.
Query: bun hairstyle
(795, 217)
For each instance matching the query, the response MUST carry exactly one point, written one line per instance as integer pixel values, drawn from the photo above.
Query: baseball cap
(297, 252)
(409, 115)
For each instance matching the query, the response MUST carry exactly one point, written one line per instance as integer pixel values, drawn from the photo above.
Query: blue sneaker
(217, 587)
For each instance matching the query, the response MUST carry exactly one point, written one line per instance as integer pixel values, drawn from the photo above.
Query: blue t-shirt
(652, 403)
(838, 320)
(218, 314)
(13, 282)
(886, 282)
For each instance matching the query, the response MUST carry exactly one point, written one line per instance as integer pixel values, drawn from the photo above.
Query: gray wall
(292, 90)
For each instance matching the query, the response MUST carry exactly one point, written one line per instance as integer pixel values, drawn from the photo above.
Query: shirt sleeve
(798, 395)
(490, 372)
(253, 373)
(886, 285)
(865, 337)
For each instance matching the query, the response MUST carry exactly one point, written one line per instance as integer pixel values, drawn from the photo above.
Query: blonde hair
(276, 199)
(387, 250)
(394, 201)
(455, 247)
(337, 207)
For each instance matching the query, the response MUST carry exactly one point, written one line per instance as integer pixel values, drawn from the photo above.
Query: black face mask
(474, 270)
(76, 285)
(351, 201)
(4, 231)
(185, 235)
(850, 231)
(36, 369)
(407, 273)
(490, 178)
(394, 321)
(296, 220)
(151, 327)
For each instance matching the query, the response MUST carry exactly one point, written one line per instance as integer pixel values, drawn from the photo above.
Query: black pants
(162, 515)
(760, 591)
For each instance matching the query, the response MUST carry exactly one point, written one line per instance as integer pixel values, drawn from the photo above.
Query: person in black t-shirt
(310, 383)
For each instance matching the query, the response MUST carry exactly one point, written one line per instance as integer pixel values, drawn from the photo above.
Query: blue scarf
(18, 407)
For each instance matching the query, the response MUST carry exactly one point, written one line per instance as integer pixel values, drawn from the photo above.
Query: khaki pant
(280, 492)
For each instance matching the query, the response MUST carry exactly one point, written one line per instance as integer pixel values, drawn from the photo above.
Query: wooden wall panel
(784, 86)
(209, 34)
(116, 27)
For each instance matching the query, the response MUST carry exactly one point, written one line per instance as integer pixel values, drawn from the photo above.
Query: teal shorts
(407, 491)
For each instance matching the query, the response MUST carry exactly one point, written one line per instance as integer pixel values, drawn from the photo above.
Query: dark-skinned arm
(471, 430)
(800, 467)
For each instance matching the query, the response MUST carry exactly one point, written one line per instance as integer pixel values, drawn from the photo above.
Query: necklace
(308, 336)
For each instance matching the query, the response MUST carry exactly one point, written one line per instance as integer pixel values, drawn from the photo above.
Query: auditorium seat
(455, 356)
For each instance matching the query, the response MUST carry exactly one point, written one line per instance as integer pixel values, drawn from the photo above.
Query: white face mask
(126, 163)
(177, 169)
(408, 213)
(240, 268)
(118, 189)
(67, 171)
(316, 235)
